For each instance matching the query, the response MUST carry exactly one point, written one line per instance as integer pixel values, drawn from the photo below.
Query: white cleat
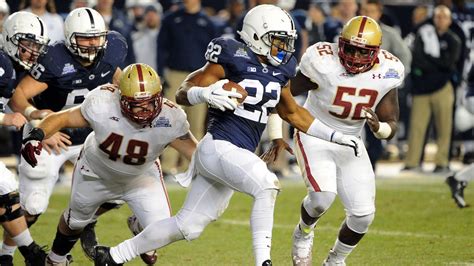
(331, 260)
(301, 252)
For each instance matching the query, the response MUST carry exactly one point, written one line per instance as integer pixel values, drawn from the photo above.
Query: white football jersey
(340, 97)
(119, 148)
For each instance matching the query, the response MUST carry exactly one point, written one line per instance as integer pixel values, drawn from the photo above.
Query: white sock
(261, 222)
(466, 174)
(56, 258)
(340, 251)
(154, 236)
(7, 250)
(23, 239)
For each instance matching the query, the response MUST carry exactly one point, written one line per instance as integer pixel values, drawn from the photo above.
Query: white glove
(348, 140)
(214, 95)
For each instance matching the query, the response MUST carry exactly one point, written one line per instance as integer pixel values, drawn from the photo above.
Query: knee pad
(36, 202)
(6, 203)
(192, 224)
(360, 224)
(317, 203)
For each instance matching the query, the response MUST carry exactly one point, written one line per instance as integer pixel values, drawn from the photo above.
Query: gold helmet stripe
(362, 25)
(140, 77)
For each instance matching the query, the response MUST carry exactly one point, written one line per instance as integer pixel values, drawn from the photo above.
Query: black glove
(32, 145)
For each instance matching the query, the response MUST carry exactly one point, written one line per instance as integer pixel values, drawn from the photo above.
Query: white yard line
(336, 229)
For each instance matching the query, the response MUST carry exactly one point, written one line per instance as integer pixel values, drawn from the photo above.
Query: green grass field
(416, 223)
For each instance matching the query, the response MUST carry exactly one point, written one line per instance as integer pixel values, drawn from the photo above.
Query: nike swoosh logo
(276, 73)
(104, 74)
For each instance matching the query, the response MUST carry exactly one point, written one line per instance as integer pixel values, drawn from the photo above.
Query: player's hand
(219, 98)
(40, 114)
(15, 119)
(32, 146)
(350, 141)
(371, 118)
(57, 142)
(277, 146)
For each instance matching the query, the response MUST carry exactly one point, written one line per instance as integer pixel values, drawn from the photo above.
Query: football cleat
(301, 253)
(267, 263)
(331, 260)
(457, 191)
(89, 240)
(6, 260)
(150, 257)
(34, 254)
(103, 257)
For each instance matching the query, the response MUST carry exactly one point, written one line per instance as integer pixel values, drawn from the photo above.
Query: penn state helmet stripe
(362, 26)
(140, 77)
(41, 25)
(91, 17)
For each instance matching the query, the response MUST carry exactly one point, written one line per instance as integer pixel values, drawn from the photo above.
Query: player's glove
(32, 146)
(214, 95)
(348, 140)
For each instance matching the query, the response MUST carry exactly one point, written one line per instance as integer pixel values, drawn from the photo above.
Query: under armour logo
(379, 76)
(114, 118)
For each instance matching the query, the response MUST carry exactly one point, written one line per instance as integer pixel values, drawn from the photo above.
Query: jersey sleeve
(116, 50)
(47, 68)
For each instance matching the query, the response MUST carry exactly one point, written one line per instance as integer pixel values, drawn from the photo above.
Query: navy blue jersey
(10, 74)
(244, 126)
(68, 81)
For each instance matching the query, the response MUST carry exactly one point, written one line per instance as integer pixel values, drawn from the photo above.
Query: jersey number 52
(348, 107)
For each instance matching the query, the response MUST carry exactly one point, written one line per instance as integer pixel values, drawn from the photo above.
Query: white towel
(430, 40)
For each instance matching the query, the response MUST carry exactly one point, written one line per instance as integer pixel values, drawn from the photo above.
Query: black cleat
(89, 240)
(6, 260)
(457, 191)
(267, 263)
(34, 254)
(103, 258)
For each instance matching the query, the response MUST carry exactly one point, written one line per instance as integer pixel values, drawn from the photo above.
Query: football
(233, 86)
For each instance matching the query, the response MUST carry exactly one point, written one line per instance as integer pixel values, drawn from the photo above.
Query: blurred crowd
(172, 37)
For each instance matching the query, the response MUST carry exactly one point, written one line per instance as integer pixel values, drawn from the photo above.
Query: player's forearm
(53, 123)
(19, 102)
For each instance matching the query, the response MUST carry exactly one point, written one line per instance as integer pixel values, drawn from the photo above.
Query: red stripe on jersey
(309, 175)
(140, 77)
(361, 28)
(157, 163)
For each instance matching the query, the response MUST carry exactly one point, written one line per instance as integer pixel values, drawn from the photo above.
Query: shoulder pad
(318, 59)
(54, 63)
(7, 76)
(116, 50)
(394, 70)
(224, 51)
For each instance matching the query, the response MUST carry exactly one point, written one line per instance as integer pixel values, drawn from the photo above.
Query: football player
(88, 57)
(25, 39)
(132, 124)
(349, 83)
(224, 160)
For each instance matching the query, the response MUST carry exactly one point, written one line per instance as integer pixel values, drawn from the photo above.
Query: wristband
(384, 131)
(194, 95)
(30, 109)
(35, 134)
(320, 130)
(2, 117)
(274, 127)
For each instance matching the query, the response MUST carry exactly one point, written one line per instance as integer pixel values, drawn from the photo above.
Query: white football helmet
(25, 38)
(266, 27)
(86, 23)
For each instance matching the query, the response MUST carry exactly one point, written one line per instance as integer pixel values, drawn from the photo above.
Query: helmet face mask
(85, 33)
(25, 38)
(88, 46)
(359, 44)
(269, 31)
(141, 94)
